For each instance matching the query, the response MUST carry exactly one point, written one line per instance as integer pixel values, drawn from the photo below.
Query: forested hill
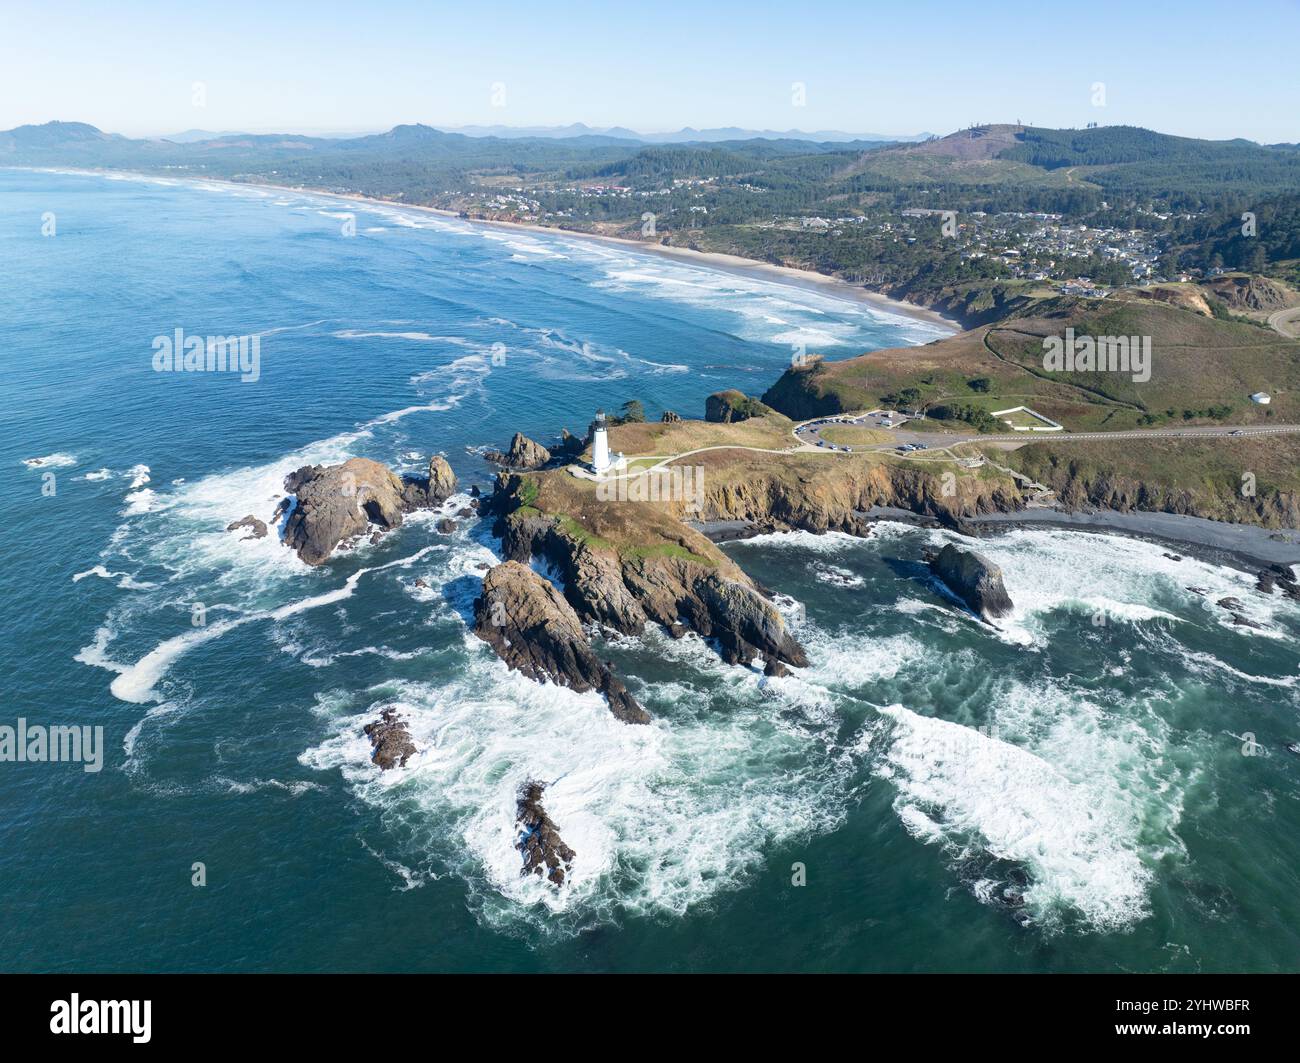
(836, 206)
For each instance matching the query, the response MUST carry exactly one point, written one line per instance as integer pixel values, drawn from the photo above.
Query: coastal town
(1041, 247)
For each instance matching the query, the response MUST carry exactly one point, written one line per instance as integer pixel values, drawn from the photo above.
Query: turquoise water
(1060, 794)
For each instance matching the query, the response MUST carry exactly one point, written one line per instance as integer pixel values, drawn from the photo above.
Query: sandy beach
(734, 264)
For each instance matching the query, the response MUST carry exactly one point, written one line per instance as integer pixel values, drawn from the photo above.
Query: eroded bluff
(626, 564)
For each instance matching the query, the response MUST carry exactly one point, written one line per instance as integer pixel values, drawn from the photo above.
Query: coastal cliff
(1240, 480)
(627, 564)
(818, 493)
(535, 631)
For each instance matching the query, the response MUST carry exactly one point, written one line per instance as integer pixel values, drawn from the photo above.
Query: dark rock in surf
(974, 579)
(336, 504)
(391, 741)
(535, 631)
(257, 528)
(522, 455)
(774, 668)
(539, 839)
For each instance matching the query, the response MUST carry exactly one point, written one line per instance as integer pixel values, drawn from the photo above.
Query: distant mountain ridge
(686, 135)
(988, 168)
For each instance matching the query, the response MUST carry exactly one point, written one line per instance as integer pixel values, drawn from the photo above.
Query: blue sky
(1198, 68)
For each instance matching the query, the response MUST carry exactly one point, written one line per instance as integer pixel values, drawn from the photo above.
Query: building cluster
(1036, 246)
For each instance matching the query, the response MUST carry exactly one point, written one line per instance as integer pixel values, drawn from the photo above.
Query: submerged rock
(539, 839)
(535, 631)
(523, 454)
(257, 528)
(391, 741)
(975, 579)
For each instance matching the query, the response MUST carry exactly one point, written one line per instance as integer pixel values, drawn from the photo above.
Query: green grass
(577, 532)
(667, 550)
(528, 493)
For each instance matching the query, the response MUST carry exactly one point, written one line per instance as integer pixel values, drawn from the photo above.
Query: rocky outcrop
(535, 631)
(539, 839)
(670, 417)
(390, 740)
(256, 528)
(727, 406)
(1182, 296)
(1278, 577)
(1252, 293)
(777, 494)
(676, 581)
(974, 579)
(523, 454)
(433, 489)
(336, 504)
(570, 446)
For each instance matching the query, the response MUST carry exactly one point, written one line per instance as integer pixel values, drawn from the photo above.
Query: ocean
(1100, 784)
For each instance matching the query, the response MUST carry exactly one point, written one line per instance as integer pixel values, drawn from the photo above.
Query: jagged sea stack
(536, 632)
(975, 579)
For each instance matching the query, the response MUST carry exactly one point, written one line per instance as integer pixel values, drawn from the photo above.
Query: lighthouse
(600, 445)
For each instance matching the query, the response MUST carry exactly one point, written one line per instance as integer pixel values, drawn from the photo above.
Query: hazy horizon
(849, 68)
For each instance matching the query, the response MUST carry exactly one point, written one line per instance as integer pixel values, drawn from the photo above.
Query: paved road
(810, 433)
(1287, 322)
(808, 439)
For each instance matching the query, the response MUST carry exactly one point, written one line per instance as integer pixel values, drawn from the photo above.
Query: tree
(980, 383)
(633, 412)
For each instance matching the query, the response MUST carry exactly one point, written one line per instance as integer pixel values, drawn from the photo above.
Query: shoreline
(736, 265)
(1248, 547)
(1244, 545)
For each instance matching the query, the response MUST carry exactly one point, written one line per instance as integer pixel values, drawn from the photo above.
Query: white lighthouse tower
(600, 445)
(601, 460)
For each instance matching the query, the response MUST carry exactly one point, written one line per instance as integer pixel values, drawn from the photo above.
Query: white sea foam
(960, 787)
(765, 310)
(127, 582)
(662, 817)
(51, 461)
(137, 682)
